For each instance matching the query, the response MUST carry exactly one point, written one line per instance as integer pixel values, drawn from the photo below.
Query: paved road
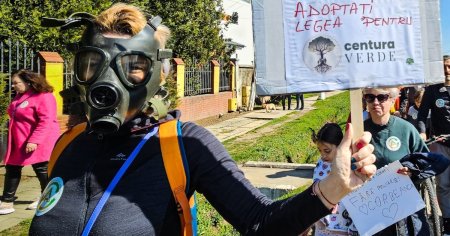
(273, 179)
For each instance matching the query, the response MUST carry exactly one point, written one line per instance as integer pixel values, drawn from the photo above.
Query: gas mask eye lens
(136, 68)
(87, 64)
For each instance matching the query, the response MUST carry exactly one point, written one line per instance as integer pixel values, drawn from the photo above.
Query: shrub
(4, 99)
(171, 87)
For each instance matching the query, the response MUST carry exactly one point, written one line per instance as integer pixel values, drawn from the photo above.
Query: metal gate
(15, 56)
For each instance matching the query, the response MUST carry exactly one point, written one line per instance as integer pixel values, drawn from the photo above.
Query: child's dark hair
(329, 133)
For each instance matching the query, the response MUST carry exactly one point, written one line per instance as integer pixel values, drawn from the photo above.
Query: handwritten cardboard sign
(384, 200)
(322, 45)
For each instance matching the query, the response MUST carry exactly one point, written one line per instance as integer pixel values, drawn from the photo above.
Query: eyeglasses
(380, 97)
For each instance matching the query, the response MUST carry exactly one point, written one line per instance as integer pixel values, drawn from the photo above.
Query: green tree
(195, 26)
(4, 101)
(21, 21)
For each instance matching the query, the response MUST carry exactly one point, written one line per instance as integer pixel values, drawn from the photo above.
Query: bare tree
(321, 46)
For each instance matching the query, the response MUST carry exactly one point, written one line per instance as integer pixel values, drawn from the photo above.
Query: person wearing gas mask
(118, 67)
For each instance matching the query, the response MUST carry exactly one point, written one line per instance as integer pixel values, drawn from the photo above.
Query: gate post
(180, 69)
(215, 76)
(52, 67)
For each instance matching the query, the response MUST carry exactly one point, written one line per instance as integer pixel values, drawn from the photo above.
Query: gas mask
(116, 77)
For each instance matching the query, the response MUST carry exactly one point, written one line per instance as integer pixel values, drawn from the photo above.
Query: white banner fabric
(323, 45)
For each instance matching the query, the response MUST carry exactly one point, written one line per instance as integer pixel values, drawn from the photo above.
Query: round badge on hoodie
(50, 196)
(440, 103)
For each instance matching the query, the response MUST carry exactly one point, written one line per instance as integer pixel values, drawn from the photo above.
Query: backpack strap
(177, 171)
(62, 143)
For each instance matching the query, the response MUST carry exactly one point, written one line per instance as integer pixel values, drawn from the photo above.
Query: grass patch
(291, 142)
(18, 230)
(294, 192)
(308, 95)
(211, 223)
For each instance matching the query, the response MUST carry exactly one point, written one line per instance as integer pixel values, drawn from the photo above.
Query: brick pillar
(233, 78)
(215, 76)
(180, 69)
(52, 67)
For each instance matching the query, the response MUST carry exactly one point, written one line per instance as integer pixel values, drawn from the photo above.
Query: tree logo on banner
(321, 54)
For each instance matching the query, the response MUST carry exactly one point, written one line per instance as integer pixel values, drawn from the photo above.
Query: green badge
(409, 61)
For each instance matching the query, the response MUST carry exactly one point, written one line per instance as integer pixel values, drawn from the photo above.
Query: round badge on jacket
(23, 104)
(393, 143)
(440, 103)
(50, 196)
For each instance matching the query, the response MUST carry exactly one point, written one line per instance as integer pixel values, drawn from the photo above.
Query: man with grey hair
(436, 99)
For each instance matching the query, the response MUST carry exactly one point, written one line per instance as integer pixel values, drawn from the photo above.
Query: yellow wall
(180, 80)
(233, 80)
(216, 79)
(54, 73)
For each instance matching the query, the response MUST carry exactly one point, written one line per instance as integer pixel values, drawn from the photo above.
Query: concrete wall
(246, 75)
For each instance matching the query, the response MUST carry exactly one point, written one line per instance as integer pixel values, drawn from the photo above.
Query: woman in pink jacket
(33, 131)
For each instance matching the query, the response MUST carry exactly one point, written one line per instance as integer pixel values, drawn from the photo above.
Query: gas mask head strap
(154, 22)
(77, 19)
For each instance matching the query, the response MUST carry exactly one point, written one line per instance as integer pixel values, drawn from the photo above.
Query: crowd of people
(400, 121)
(393, 138)
(436, 103)
(90, 191)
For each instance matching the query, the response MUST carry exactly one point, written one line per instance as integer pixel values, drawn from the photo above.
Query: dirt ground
(219, 118)
(268, 128)
(255, 133)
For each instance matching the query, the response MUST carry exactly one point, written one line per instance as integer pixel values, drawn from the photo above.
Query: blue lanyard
(101, 203)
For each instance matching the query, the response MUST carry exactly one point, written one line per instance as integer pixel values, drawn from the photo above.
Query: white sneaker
(6, 208)
(33, 205)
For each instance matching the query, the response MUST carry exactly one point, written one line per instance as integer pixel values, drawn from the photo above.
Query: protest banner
(387, 198)
(324, 45)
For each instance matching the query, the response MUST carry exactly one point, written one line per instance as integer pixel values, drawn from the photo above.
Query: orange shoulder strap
(62, 143)
(173, 163)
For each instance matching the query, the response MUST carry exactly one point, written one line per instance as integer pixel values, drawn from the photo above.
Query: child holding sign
(327, 140)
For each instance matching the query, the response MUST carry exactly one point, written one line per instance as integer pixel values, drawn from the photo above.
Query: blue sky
(445, 26)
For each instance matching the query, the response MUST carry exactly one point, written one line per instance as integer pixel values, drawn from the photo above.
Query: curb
(279, 165)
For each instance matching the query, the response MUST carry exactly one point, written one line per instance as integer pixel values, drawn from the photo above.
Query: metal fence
(225, 77)
(68, 75)
(15, 56)
(197, 79)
